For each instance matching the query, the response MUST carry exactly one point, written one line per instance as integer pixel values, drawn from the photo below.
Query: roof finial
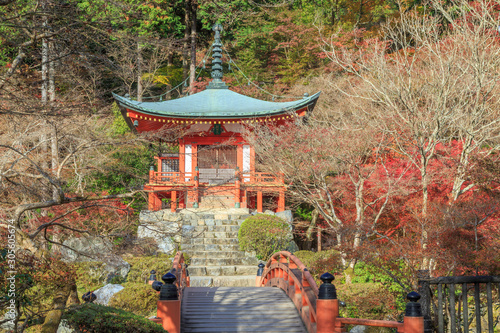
(217, 73)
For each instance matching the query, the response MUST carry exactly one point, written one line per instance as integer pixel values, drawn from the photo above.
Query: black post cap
(327, 278)
(169, 278)
(413, 309)
(327, 289)
(260, 271)
(157, 285)
(152, 276)
(89, 297)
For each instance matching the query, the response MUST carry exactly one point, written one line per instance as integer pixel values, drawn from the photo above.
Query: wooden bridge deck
(239, 309)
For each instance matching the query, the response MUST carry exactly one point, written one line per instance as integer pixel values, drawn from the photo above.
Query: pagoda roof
(216, 103)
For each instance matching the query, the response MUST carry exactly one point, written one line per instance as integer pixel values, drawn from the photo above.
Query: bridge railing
(287, 272)
(319, 307)
(168, 310)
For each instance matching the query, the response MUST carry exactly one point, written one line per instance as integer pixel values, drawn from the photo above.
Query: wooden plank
(477, 302)
(451, 295)
(490, 307)
(466, 309)
(465, 279)
(440, 309)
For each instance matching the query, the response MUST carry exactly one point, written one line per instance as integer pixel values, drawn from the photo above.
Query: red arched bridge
(286, 299)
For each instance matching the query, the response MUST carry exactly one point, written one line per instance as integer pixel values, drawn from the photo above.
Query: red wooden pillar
(259, 201)
(327, 311)
(170, 314)
(281, 201)
(173, 201)
(154, 201)
(237, 190)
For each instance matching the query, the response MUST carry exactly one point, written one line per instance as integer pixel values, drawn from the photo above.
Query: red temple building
(214, 160)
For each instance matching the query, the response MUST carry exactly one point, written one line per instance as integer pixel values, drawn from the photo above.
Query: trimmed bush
(93, 318)
(264, 234)
(138, 298)
(140, 267)
(320, 262)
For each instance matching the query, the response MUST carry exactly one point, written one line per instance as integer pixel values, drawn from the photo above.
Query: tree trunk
(185, 46)
(139, 71)
(192, 74)
(53, 318)
(310, 229)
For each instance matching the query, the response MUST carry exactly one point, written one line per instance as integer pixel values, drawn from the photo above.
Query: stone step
(223, 281)
(216, 228)
(210, 247)
(219, 235)
(224, 262)
(222, 270)
(219, 254)
(215, 241)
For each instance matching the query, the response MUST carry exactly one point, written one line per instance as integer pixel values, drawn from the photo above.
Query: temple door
(217, 164)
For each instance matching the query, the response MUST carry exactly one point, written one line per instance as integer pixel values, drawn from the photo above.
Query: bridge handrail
(179, 269)
(279, 272)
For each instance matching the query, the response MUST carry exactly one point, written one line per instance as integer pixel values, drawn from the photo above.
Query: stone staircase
(212, 246)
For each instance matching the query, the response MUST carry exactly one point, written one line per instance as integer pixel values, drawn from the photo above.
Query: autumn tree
(430, 80)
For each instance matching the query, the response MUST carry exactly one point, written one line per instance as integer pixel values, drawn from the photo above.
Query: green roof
(216, 103)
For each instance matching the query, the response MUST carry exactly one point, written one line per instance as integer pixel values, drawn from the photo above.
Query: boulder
(64, 328)
(85, 249)
(286, 215)
(105, 293)
(358, 329)
(162, 233)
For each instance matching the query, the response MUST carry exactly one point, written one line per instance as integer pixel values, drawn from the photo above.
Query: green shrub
(140, 267)
(320, 262)
(93, 318)
(264, 234)
(138, 298)
(90, 275)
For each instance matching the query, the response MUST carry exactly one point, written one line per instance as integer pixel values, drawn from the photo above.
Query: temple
(214, 162)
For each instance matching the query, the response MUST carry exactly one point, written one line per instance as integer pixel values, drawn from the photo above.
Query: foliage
(36, 281)
(369, 301)
(264, 234)
(93, 318)
(140, 267)
(320, 262)
(138, 298)
(89, 275)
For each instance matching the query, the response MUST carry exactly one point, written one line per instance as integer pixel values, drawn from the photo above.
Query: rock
(149, 216)
(358, 329)
(64, 328)
(115, 266)
(292, 247)
(96, 249)
(8, 326)
(162, 232)
(85, 249)
(105, 293)
(286, 215)
(269, 212)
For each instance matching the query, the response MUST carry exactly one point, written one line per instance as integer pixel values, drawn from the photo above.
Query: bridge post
(169, 305)
(327, 307)
(260, 271)
(414, 320)
(152, 277)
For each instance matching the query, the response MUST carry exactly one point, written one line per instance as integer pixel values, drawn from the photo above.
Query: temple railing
(319, 307)
(177, 178)
(189, 178)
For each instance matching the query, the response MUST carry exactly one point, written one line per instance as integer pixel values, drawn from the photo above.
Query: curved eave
(259, 108)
